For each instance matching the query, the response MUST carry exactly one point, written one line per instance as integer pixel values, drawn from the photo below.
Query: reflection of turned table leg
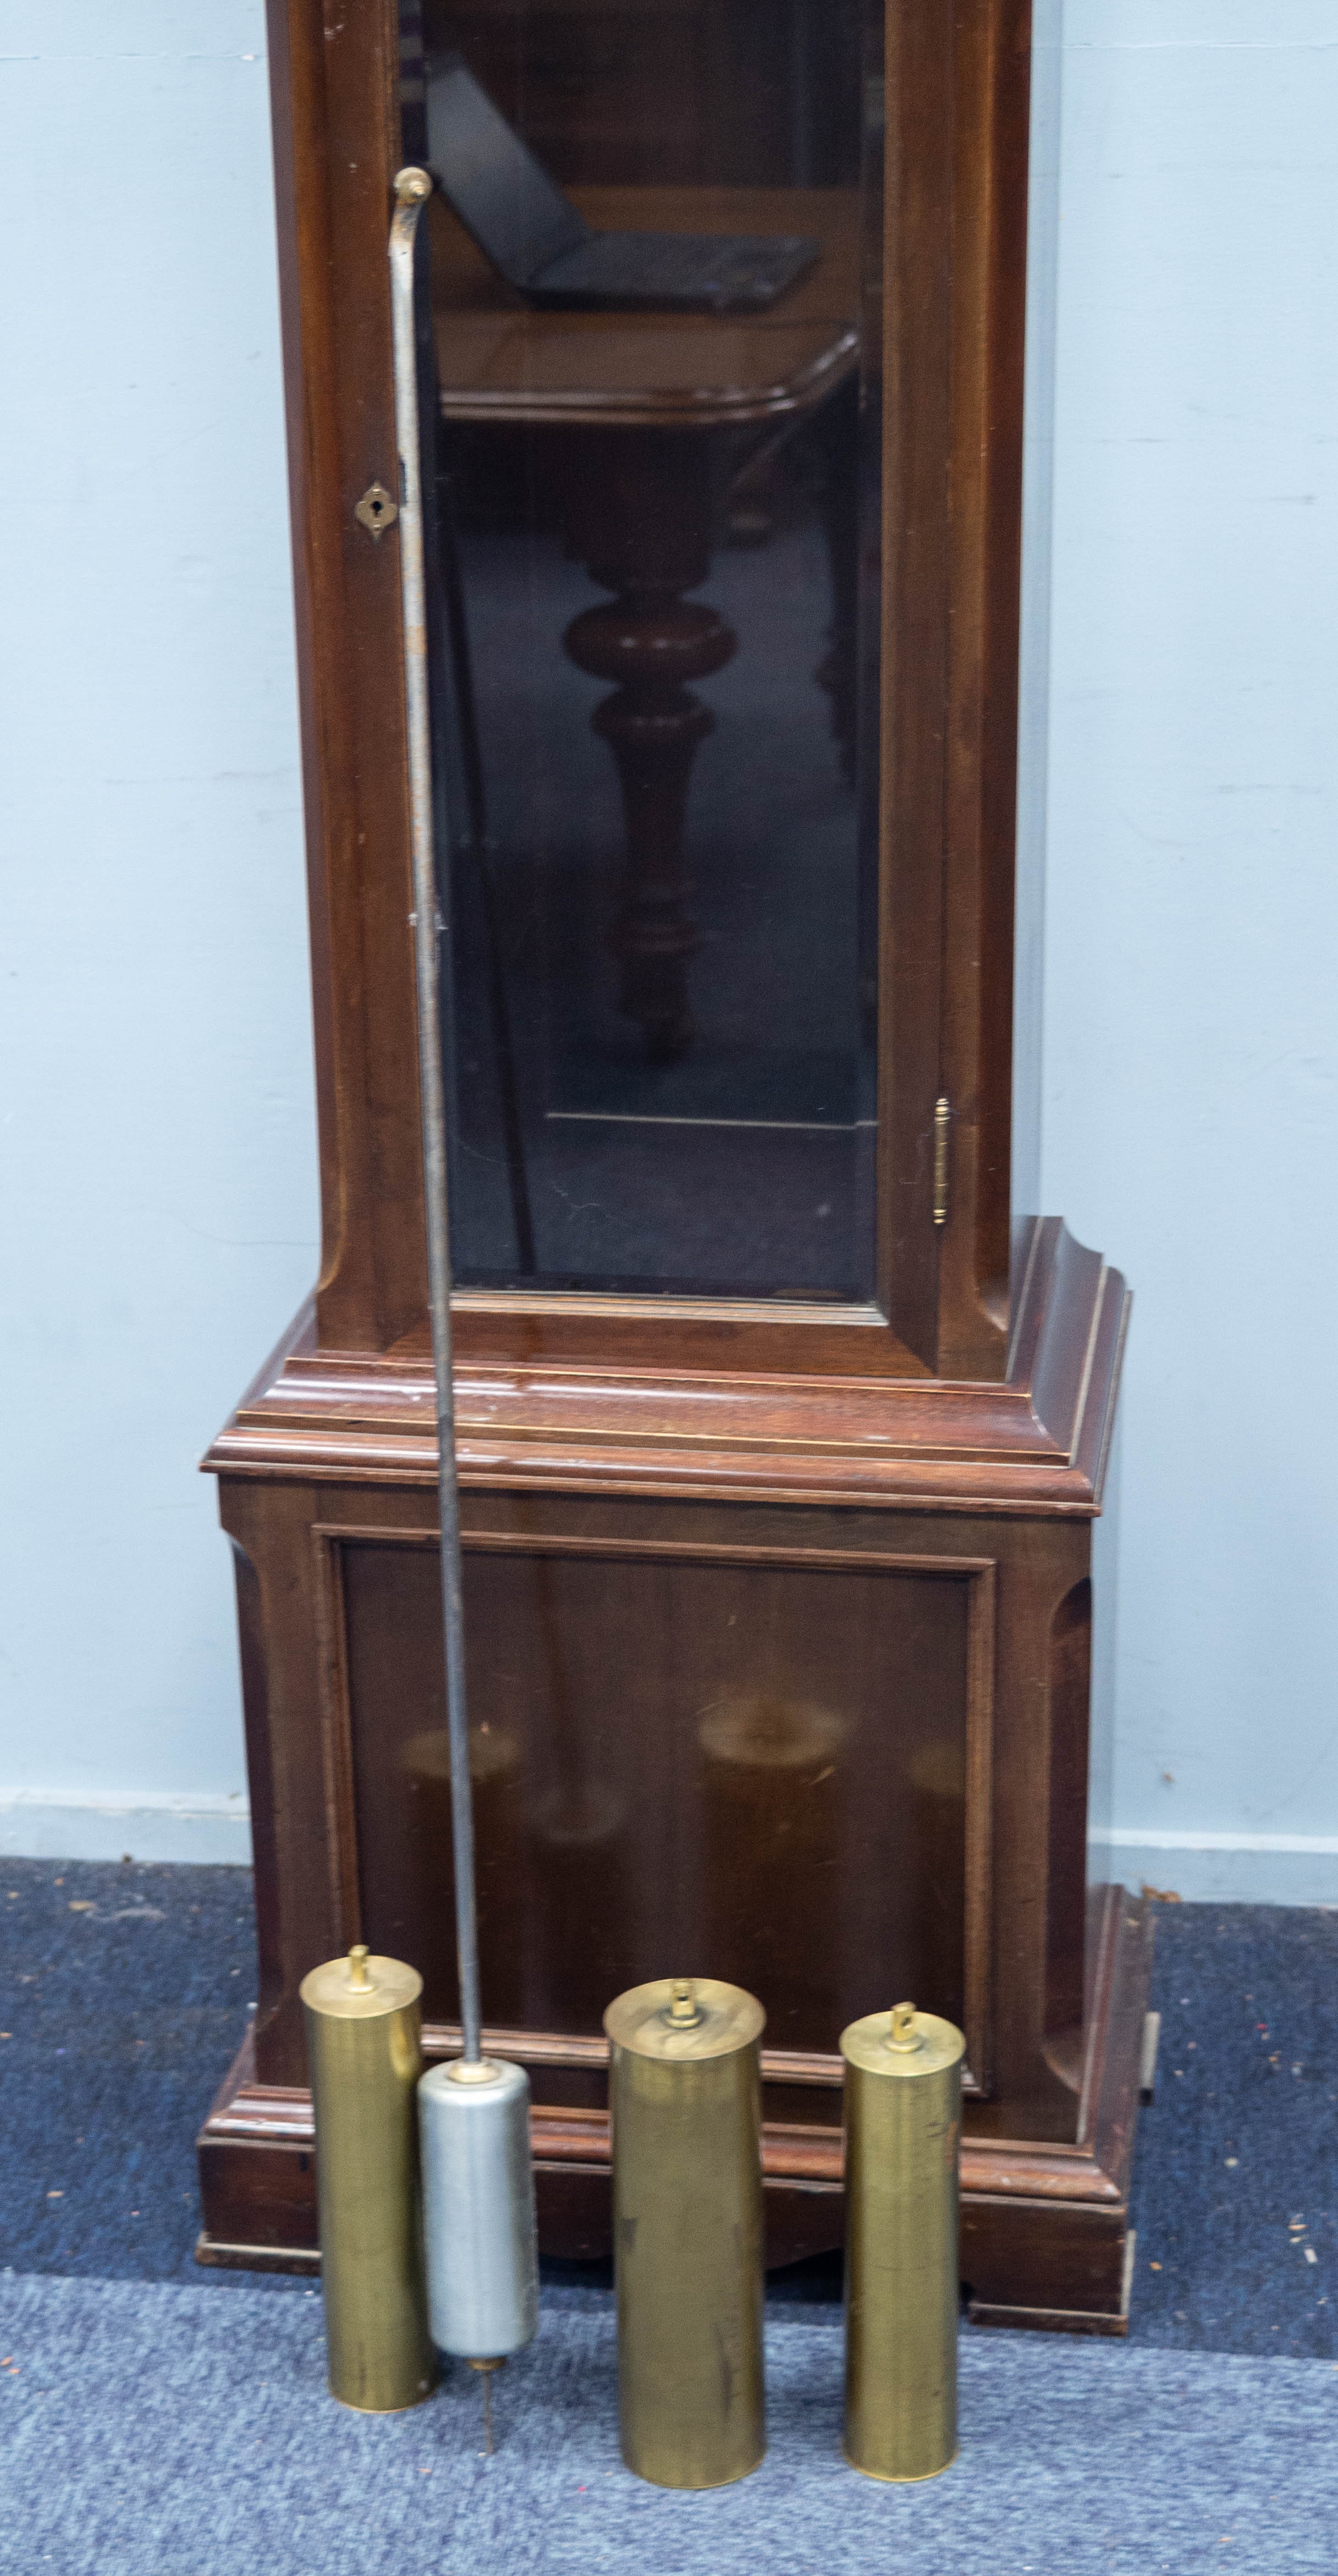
(638, 511)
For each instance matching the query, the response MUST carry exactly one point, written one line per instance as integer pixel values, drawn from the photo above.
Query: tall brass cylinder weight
(363, 2049)
(685, 2104)
(903, 2124)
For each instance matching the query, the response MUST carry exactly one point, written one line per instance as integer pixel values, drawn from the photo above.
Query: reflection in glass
(657, 535)
(757, 1771)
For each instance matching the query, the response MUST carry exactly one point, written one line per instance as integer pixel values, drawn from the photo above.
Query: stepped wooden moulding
(779, 1608)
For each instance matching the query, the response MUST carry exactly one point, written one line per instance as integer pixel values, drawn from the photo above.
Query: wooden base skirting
(1045, 2240)
(1088, 2321)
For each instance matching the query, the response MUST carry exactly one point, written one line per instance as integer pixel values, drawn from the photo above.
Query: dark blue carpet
(124, 1996)
(1236, 2177)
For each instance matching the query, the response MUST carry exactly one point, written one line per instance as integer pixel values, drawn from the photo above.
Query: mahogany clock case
(779, 1606)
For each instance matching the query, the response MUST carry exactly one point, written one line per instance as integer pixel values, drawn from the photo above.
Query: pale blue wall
(158, 1172)
(156, 1150)
(1191, 968)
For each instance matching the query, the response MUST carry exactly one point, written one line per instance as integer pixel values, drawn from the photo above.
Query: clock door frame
(955, 206)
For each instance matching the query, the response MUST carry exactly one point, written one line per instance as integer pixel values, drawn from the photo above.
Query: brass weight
(685, 2106)
(362, 2021)
(903, 2126)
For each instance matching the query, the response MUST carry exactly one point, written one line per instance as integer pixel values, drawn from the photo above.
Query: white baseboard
(141, 1824)
(1222, 1868)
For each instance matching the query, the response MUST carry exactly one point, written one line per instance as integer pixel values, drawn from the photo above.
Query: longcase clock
(783, 1429)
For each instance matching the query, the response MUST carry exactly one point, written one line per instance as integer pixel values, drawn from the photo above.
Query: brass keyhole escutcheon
(376, 511)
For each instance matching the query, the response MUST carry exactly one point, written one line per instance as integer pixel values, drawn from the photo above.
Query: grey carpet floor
(160, 2429)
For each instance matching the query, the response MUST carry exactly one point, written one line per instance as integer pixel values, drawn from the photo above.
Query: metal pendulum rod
(412, 190)
(485, 2371)
(479, 2235)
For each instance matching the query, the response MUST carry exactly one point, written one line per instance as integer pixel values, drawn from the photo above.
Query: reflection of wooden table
(647, 416)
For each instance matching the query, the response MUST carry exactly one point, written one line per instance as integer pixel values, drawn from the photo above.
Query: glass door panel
(655, 259)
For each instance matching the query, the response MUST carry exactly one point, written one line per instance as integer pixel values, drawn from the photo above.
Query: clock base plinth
(908, 1566)
(1045, 2236)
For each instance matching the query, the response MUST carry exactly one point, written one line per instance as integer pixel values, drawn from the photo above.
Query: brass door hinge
(942, 1123)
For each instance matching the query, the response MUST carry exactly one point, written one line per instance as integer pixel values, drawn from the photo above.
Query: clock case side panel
(957, 152)
(334, 103)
